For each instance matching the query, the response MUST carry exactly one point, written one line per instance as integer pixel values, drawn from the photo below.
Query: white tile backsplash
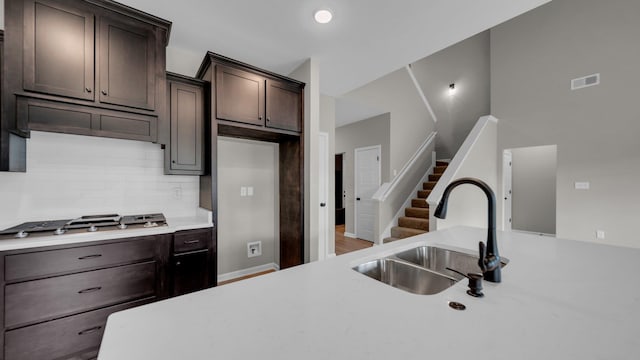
(72, 175)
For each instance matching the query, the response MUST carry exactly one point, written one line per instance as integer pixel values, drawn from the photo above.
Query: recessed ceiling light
(323, 16)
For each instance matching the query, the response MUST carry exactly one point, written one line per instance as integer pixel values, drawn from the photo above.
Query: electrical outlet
(582, 185)
(250, 191)
(177, 193)
(254, 249)
(243, 191)
(600, 234)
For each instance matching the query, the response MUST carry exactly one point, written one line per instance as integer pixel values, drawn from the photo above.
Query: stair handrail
(387, 188)
(458, 160)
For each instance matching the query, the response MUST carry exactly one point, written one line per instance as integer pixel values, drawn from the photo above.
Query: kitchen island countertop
(559, 299)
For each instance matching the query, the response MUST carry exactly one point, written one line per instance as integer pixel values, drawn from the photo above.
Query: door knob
(323, 204)
(358, 199)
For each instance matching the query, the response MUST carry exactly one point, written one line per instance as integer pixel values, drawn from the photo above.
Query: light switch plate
(600, 234)
(582, 185)
(250, 191)
(243, 191)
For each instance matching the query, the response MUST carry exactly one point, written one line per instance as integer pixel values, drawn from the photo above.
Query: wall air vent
(585, 81)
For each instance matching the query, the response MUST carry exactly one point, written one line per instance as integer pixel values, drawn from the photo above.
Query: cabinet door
(127, 63)
(284, 106)
(187, 117)
(58, 49)
(239, 95)
(190, 272)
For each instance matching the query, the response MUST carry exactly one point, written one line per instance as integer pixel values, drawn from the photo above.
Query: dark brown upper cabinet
(58, 49)
(248, 95)
(88, 67)
(127, 63)
(284, 105)
(239, 95)
(185, 151)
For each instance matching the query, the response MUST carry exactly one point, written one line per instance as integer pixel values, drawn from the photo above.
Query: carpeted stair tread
(439, 169)
(442, 163)
(417, 212)
(428, 185)
(419, 203)
(401, 232)
(414, 223)
(423, 194)
(435, 177)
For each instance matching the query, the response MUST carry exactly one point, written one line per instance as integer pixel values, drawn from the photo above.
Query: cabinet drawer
(191, 240)
(63, 337)
(52, 262)
(45, 299)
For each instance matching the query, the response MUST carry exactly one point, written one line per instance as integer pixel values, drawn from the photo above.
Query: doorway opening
(529, 189)
(340, 193)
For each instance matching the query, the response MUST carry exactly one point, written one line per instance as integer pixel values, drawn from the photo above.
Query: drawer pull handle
(90, 330)
(90, 290)
(187, 242)
(94, 256)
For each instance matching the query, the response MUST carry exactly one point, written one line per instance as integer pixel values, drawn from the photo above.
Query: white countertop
(201, 220)
(559, 299)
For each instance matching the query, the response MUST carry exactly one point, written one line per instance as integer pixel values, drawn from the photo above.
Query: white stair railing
(393, 197)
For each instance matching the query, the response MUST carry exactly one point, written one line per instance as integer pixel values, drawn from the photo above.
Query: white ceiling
(366, 40)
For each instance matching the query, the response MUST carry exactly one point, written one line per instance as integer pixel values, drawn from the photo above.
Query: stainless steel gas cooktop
(90, 223)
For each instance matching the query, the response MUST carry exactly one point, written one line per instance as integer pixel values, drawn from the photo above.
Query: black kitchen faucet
(489, 261)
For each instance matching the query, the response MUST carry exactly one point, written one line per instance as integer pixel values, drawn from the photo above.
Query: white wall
(309, 73)
(245, 219)
(466, 64)
(533, 59)
(411, 123)
(534, 189)
(369, 132)
(328, 125)
(72, 175)
(467, 203)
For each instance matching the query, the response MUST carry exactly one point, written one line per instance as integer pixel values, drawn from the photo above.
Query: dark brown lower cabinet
(190, 272)
(55, 300)
(192, 261)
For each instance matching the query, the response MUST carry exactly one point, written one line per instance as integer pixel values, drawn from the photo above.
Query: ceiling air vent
(585, 81)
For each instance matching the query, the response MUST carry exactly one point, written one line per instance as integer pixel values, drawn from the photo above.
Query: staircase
(416, 218)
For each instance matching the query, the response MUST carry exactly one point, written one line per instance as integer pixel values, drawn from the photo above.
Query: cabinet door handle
(90, 290)
(88, 90)
(268, 118)
(93, 256)
(259, 117)
(178, 263)
(187, 242)
(323, 204)
(104, 93)
(89, 330)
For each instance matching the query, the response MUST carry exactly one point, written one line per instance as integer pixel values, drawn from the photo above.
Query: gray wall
(533, 59)
(534, 189)
(370, 132)
(410, 121)
(467, 65)
(242, 220)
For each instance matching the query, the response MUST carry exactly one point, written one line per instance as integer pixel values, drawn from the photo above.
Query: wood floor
(245, 277)
(346, 244)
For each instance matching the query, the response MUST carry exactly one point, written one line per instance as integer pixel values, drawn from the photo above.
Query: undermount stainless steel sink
(405, 276)
(422, 270)
(439, 259)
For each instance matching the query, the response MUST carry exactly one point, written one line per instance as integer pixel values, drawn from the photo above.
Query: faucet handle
(483, 254)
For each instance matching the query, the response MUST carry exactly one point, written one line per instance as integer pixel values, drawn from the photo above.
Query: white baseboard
(350, 235)
(248, 271)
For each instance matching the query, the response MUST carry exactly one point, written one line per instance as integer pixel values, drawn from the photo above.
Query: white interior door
(323, 195)
(367, 182)
(507, 189)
